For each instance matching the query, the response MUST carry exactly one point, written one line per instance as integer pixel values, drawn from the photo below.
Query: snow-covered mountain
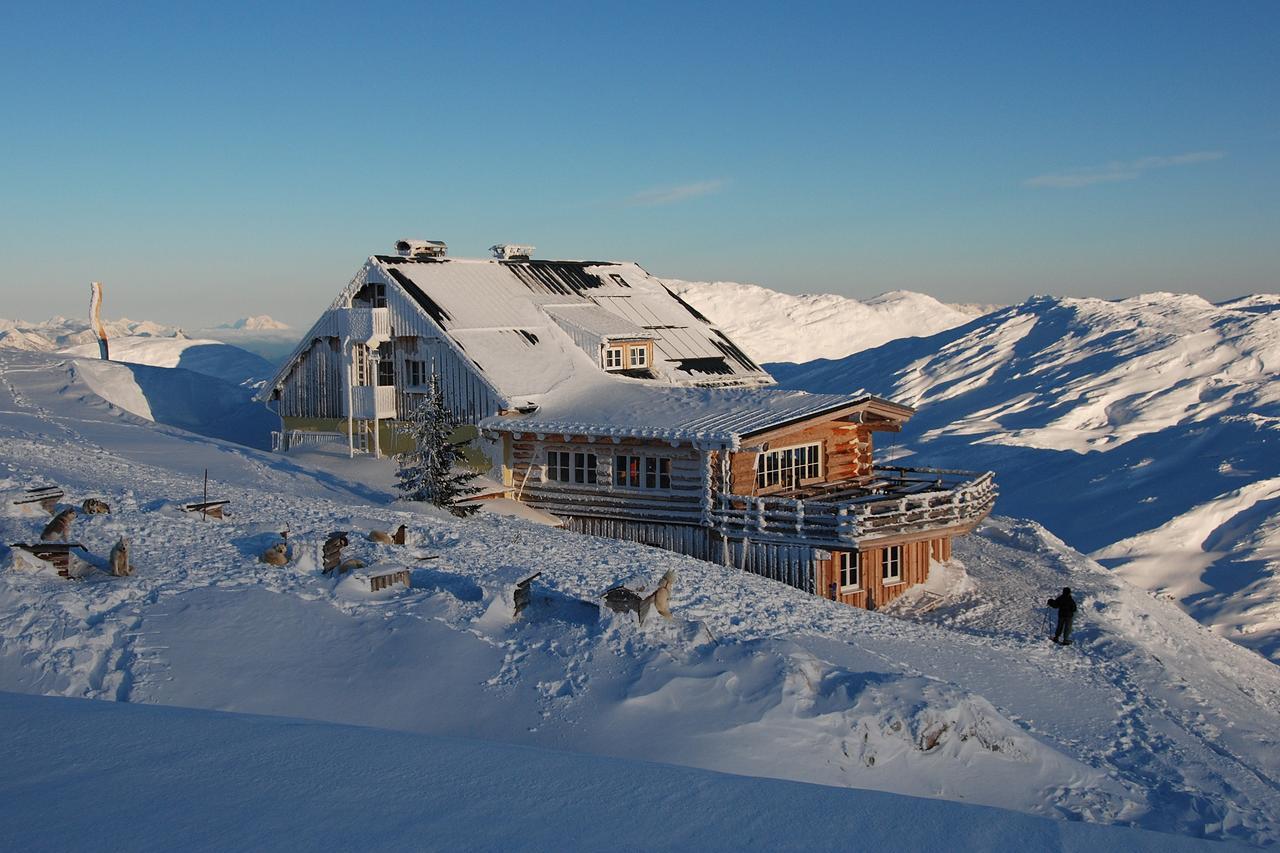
(256, 323)
(62, 332)
(1144, 430)
(773, 326)
(1149, 721)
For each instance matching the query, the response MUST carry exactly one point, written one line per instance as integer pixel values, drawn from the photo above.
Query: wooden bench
(380, 582)
(56, 553)
(212, 509)
(46, 496)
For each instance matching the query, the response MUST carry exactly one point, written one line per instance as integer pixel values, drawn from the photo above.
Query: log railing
(896, 501)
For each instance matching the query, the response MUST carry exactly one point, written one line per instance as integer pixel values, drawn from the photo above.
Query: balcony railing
(892, 502)
(373, 401)
(364, 325)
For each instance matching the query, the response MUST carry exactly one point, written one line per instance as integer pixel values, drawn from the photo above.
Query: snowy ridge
(212, 358)
(774, 326)
(1144, 430)
(1149, 721)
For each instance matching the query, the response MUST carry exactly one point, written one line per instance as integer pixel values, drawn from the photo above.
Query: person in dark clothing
(1066, 607)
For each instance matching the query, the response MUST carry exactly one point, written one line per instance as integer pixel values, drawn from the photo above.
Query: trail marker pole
(203, 509)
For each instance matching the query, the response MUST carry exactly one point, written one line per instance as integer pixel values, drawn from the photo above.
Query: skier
(1066, 607)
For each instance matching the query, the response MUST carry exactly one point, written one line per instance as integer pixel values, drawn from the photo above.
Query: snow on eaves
(619, 408)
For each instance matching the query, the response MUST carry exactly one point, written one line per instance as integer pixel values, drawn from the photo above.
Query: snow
(115, 772)
(773, 326)
(212, 358)
(609, 406)
(1145, 431)
(1149, 721)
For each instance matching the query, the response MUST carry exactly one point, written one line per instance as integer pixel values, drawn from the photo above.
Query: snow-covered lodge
(597, 394)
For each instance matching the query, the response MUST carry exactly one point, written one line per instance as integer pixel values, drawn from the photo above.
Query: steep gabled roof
(588, 301)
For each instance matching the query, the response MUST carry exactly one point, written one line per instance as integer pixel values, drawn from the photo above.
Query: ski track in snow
(1149, 720)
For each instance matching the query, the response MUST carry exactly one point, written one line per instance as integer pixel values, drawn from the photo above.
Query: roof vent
(511, 251)
(421, 248)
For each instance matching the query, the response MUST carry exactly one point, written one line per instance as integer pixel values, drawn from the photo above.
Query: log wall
(916, 560)
(846, 453)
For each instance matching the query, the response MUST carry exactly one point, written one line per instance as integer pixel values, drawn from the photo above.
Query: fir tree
(426, 472)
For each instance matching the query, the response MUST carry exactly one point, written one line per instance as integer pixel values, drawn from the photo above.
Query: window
(639, 356)
(789, 466)
(387, 365)
(416, 371)
(613, 358)
(850, 571)
(642, 472)
(891, 565)
(566, 467)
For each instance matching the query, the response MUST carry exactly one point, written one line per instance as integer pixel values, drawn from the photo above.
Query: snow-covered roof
(577, 302)
(705, 416)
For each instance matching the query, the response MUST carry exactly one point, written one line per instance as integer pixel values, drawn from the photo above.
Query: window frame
(571, 467)
(849, 561)
(621, 353)
(643, 351)
(771, 473)
(891, 556)
(648, 473)
(416, 374)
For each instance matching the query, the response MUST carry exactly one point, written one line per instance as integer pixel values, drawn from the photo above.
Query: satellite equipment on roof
(511, 251)
(421, 248)
(95, 307)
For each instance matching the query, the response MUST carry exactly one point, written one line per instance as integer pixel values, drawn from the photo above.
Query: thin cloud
(671, 195)
(1118, 170)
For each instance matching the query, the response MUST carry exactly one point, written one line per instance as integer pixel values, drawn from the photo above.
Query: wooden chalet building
(598, 395)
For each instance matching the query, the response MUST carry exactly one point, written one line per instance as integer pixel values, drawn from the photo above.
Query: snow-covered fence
(288, 439)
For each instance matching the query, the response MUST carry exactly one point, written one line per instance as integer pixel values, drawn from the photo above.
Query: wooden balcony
(369, 326)
(373, 401)
(895, 502)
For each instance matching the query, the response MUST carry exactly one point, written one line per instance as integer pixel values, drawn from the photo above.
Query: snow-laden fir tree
(426, 472)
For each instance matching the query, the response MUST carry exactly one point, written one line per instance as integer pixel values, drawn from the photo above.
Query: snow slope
(93, 774)
(773, 326)
(1150, 721)
(213, 358)
(1145, 431)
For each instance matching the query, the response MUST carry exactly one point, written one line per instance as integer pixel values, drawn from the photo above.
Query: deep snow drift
(143, 773)
(1149, 721)
(773, 326)
(1145, 431)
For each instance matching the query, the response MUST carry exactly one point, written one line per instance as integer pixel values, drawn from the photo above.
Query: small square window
(613, 358)
(639, 357)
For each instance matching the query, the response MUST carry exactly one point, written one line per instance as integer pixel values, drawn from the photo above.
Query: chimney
(511, 251)
(421, 248)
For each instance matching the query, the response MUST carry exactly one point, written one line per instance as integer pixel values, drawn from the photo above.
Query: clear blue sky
(209, 163)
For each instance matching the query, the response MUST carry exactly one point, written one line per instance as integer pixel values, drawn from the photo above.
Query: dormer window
(627, 356)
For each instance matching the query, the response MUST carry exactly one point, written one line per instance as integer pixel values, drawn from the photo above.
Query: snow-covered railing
(365, 325)
(373, 401)
(896, 501)
(283, 441)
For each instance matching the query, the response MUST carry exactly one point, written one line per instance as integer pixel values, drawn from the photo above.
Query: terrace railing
(894, 501)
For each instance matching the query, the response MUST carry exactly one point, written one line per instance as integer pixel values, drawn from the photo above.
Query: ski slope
(1145, 431)
(1149, 721)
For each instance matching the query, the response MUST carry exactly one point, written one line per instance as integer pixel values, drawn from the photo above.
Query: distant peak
(257, 323)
